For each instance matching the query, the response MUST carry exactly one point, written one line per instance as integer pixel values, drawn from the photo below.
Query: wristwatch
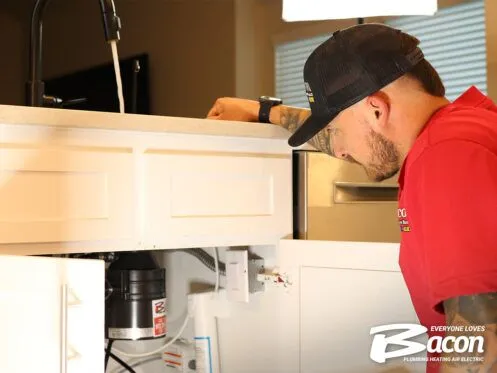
(265, 105)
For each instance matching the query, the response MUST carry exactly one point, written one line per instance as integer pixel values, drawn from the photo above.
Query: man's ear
(378, 110)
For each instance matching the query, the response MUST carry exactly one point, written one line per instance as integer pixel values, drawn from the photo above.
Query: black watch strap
(264, 111)
(265, 105)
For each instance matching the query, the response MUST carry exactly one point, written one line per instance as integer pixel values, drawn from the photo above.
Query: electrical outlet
(241, 275)
(237, 279)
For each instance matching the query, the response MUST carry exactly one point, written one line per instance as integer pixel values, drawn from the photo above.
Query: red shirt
(448, 208)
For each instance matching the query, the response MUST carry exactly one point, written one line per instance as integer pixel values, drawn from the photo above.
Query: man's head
(372, 89)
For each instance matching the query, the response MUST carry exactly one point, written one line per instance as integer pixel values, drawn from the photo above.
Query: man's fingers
(212, 113)
(215, 110)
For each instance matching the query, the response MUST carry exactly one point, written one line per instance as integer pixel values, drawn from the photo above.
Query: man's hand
(472, 314)
(237, 109)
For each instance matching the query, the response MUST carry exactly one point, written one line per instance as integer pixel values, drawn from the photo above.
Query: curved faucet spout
(35, 88)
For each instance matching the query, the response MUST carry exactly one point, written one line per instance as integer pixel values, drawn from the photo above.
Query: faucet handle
(57, 102)
(74, 101)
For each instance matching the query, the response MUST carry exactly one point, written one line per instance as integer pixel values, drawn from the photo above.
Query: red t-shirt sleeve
(455, 213)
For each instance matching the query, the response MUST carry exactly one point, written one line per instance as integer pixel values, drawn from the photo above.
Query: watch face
(270, 99)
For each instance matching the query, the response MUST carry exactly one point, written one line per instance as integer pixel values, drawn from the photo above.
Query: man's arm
(291, 118)
(474, 316)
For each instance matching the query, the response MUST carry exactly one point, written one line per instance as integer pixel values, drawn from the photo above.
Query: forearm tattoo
(477, 311)
(292, 118)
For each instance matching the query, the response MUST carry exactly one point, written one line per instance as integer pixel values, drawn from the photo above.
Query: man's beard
(385, 158)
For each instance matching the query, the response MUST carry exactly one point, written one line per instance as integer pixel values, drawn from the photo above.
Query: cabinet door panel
(30, 315)
(339, 292)
(51, 315)
(336, 319)
(65, 194)
(216, 198)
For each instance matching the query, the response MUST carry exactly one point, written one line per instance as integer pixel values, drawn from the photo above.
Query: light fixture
(315, 10)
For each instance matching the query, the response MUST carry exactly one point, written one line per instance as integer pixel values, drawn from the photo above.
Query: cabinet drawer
(216, 198)
(65, 194)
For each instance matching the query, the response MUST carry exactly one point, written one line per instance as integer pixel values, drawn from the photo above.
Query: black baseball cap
(352, 64)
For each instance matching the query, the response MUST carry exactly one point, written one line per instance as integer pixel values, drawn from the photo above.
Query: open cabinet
(317, 320)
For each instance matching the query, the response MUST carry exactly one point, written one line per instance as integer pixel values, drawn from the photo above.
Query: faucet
(35, 89)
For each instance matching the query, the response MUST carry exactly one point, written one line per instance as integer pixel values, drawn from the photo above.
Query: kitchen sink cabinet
(74, 182)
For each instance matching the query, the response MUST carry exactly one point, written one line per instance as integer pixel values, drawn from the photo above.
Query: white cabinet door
(65, 194)
(51, 315)
(216, 198)
(320, 322)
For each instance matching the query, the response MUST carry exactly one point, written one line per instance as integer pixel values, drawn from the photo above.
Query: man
(376, 101)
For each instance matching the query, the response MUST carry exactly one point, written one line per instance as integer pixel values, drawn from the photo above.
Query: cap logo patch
(308, 92)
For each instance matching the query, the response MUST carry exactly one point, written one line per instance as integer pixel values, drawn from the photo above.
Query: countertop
(26, 115)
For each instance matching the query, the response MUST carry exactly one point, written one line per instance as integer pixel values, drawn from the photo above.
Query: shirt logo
(403, 221)
(308, 92)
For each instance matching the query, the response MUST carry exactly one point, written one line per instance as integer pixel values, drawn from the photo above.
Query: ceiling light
(314, 10)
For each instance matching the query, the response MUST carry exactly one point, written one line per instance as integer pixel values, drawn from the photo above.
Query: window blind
(453, 40)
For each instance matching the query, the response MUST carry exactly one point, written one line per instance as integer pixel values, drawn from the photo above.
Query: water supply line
(35, 88)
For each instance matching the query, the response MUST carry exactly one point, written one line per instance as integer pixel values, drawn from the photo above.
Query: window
(453, 41)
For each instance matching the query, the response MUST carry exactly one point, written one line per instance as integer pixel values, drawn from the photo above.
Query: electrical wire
(107, 353)
(141, 363)
(122, 363)
(206, 260)
(216, 269)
